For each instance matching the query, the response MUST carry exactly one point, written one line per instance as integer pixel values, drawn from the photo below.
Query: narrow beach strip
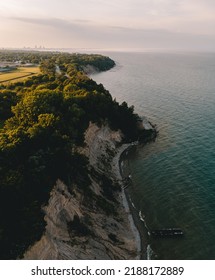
(116, 167)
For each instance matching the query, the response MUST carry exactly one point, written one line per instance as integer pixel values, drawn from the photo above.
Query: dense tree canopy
(41, 121)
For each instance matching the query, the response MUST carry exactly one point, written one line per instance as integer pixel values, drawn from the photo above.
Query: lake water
(174, 177)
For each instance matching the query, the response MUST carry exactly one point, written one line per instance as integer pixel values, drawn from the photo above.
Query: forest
(42, 120)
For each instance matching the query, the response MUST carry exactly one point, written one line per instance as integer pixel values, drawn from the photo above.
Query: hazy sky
(109, 24)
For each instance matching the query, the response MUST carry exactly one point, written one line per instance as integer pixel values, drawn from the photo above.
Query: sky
(108, 24)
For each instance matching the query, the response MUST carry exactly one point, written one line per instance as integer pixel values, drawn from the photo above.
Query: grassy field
(19, 74)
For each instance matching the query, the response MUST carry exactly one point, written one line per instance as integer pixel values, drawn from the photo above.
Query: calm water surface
(174, 178)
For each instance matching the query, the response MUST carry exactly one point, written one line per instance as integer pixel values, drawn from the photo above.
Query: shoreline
(133, 212)
(133, 217)
(137, 225)
(125, 199)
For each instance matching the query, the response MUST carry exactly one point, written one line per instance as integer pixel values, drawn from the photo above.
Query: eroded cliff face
(95, 225)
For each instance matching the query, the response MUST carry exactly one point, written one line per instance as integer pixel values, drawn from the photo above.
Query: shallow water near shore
(173, 177)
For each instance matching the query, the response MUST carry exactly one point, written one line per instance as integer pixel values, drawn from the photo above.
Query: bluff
(95, 227)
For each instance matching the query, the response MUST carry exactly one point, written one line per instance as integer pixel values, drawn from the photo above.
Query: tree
(7, 100)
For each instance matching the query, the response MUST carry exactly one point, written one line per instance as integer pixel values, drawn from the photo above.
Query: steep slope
(97, 226)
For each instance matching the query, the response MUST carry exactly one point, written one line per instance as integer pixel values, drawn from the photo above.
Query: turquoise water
(174, 178)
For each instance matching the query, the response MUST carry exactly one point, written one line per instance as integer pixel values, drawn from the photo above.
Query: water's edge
(173, 179)
(137, 218)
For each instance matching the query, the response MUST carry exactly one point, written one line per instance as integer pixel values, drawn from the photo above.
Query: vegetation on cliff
(42, 120)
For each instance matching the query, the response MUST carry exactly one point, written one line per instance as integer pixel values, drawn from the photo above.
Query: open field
(19, 74)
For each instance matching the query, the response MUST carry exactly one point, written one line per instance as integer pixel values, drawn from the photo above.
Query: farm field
(18, 75)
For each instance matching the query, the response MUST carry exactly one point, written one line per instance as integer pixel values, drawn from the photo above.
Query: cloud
(58, 32)
(53, 22)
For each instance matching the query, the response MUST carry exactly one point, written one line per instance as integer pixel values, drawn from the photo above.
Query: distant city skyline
(111, 25)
